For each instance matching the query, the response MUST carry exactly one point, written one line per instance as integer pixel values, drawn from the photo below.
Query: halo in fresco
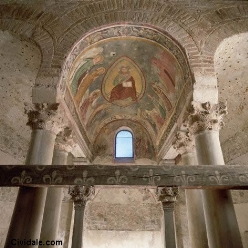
(124, 83)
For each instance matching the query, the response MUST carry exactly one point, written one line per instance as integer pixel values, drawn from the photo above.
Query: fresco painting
(124, 76)
(123, 83)
(143, 148)
(88, 104)
(166, 70)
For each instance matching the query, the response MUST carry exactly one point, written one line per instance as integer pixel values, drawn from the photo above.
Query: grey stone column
(50, 222)
(222, 227)
(196, 222)
(80, 195)
(167, 195)
(28, 212)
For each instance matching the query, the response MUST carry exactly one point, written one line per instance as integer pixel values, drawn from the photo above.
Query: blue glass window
(124, 144)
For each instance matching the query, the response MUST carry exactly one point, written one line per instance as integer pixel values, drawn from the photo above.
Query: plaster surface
(19, 66)
(231, 61)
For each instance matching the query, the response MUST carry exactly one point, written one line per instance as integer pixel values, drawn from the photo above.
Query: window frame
(124, 159)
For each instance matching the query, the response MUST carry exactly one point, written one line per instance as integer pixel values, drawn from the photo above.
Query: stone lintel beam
(193, 176)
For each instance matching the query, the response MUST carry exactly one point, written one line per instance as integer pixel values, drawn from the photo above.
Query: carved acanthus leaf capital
(206, 116)
(64, 140)
(81, 194)
(44, 116)
(167, 195)
(184, 142)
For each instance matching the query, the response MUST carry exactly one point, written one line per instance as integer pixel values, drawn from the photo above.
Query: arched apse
(127, 72)
(231, 62)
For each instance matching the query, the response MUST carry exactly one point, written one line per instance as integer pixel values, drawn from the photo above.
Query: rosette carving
(206, 116)
(44, 116)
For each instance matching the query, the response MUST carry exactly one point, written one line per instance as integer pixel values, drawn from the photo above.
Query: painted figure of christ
(124, 86)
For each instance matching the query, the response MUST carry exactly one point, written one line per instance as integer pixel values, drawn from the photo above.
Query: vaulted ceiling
(165, 45)
(127, 74)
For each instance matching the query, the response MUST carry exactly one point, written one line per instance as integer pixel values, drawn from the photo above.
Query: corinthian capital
(206, 116)
(44, 116)
(64, 140)
(184, 142)
(81, 194)
(167, 195)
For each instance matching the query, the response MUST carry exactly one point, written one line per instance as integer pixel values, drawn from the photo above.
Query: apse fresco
(124, 83)
(127, 78)
(143, 145)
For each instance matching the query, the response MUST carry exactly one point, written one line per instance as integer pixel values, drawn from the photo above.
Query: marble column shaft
(167, 195)
(196, 222)
(80, 195)
(51, 217)
(221, 221)
(28, 212)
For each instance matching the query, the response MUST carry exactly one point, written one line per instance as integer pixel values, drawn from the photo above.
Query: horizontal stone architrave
(205, 176)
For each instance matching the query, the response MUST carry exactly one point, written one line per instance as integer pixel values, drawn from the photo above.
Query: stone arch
(231, 63)
(135, 31)
(220, 24)
(20, 21)
(160, 16)
(56, 36)
(89, 16)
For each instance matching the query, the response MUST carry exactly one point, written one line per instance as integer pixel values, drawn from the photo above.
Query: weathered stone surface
(230, 63)
(19, 65)
(65, 224)
(7, 203)
(124, 217)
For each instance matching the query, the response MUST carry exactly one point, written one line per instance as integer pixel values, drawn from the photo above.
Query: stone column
(204, 122)
(167, 195)
(50, 222)
(196, 221)
(28, 212)
(80, 195)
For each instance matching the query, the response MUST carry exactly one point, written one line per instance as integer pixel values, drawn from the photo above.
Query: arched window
(124, 145)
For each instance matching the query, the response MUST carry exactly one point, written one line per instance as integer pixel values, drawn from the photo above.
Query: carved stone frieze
(184, 142)
(206, 116)
(45, 116)
(81, 194)
(188, 176)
